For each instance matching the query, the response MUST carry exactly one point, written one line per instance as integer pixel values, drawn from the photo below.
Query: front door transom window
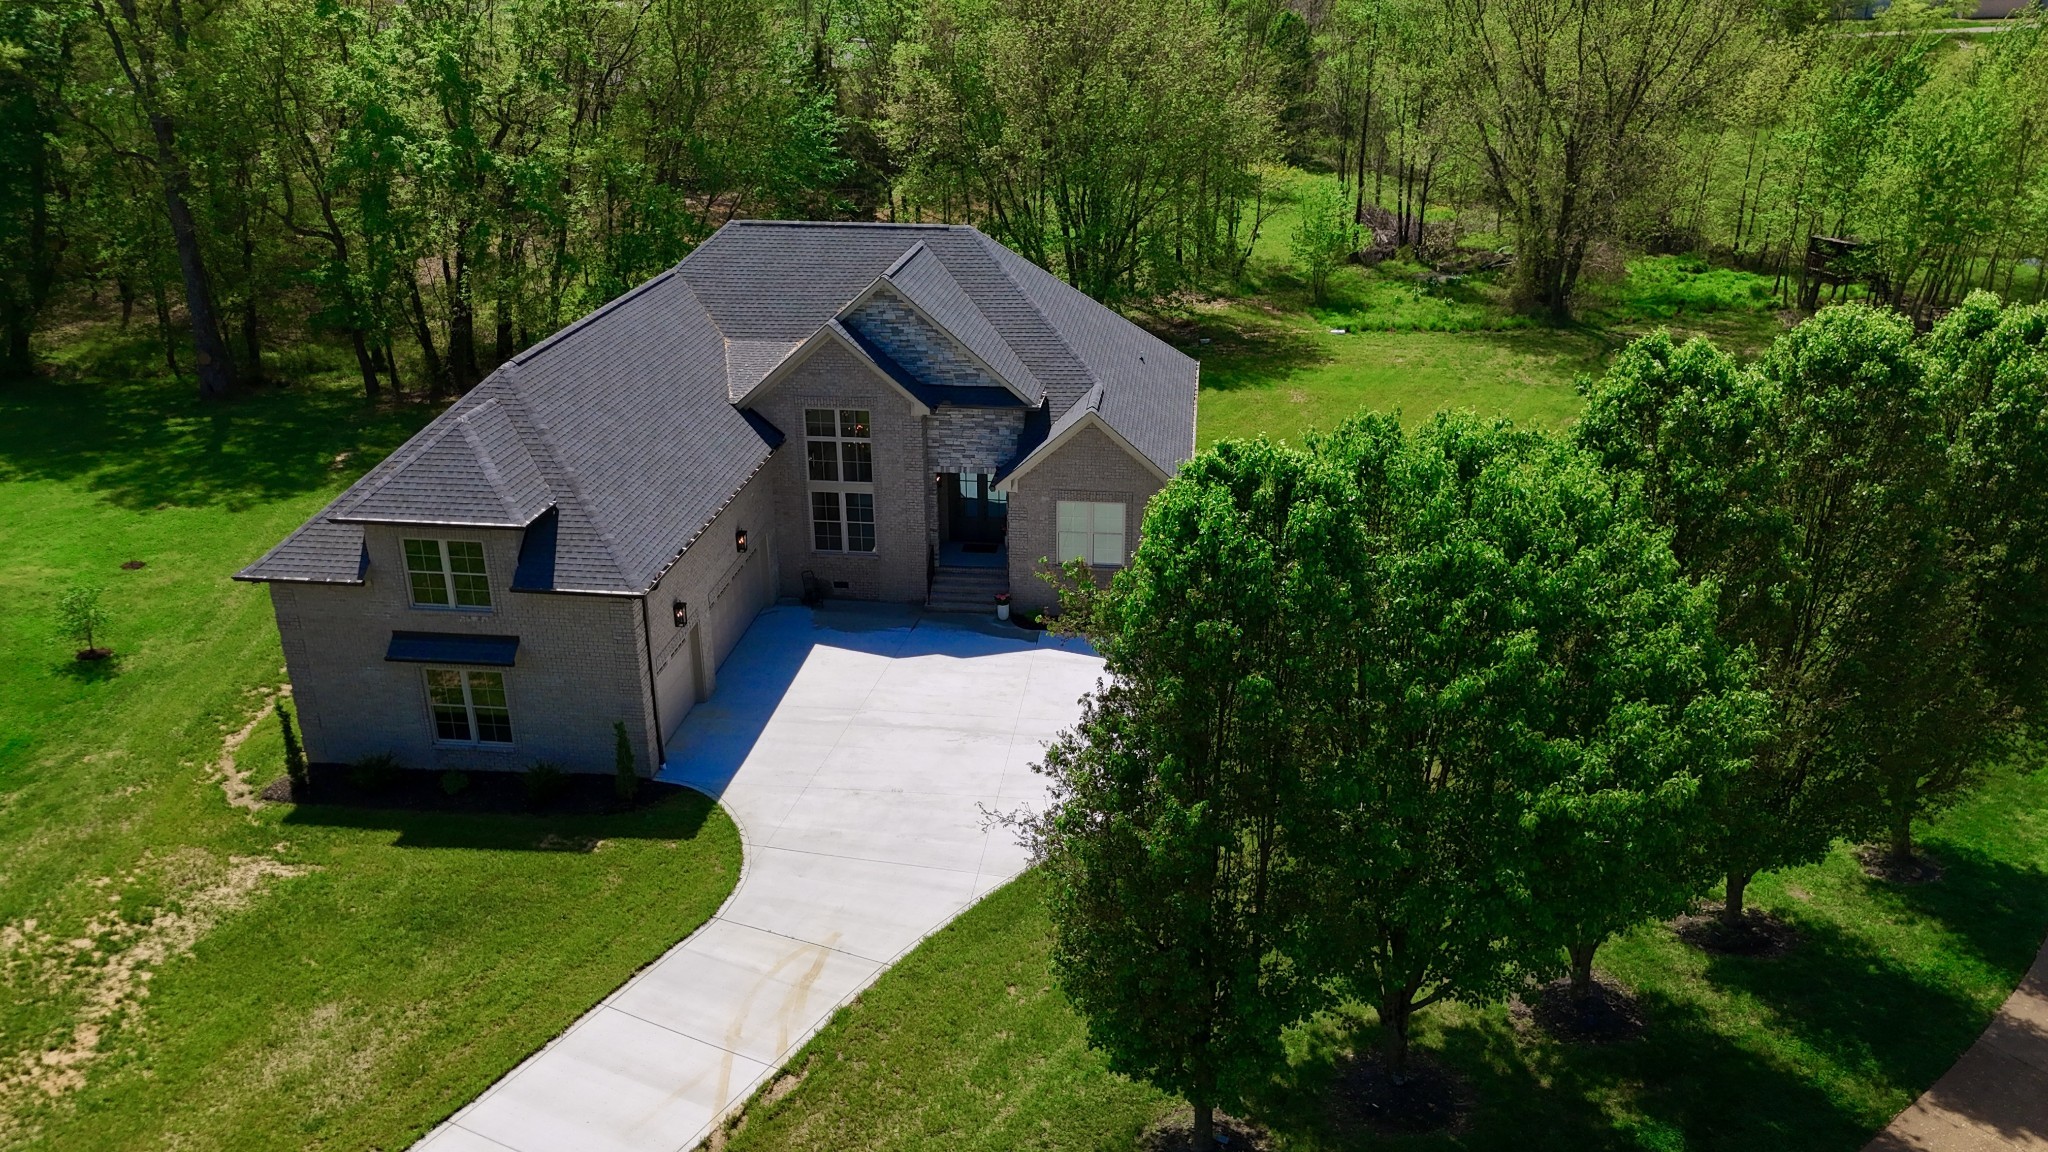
(839, 454)
(468, 706)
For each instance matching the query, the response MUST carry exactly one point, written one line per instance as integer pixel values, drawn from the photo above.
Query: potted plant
(1002, 605)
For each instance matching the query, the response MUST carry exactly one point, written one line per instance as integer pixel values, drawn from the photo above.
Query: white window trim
(447, 576)
(1123, 551)
(468, 706)
(841, 486)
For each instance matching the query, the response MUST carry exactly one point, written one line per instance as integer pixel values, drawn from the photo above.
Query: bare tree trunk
(1582, 970)
(1203, 1136)
(1731, 907)
(215, 369)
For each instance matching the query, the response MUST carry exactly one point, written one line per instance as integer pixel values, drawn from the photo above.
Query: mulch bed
(91, 654)
(1880, 864)
(1760, 934)
(421, 790)
(1176, 1134)
(1429, 1097)
(1608, 1014)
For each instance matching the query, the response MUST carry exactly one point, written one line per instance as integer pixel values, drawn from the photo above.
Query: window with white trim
(839, 453)
(447, 574)
(468, 706)
(1092, 531)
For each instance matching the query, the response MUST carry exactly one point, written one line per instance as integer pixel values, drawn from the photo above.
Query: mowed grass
(1387, 340)
(968, 1043)
(180, 972)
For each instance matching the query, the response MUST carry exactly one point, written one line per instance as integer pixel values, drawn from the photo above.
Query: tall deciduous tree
(1093, 136)
(1811, 487)
(36, 41)
(152, 44)
(1527, 709)
(1169, 841)
(1572, 104)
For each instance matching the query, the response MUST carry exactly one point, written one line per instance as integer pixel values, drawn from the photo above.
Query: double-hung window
(1091, 531)
(839, 452)
(468, 706)
(447, 574)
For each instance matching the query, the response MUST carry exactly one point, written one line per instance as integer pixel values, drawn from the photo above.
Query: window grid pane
(860, 466)
(825, 521)
(450, 711)
(853, 424)
(466, 568)
(487, 700)
(818, 422)
(860, 522)
(824, 465)
(424, 572)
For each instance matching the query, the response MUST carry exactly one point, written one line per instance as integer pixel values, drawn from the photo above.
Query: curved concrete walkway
(858, 751)
(1996, 1096)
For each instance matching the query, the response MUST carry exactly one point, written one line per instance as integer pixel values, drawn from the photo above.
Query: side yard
(967, 1044)
(180, 971)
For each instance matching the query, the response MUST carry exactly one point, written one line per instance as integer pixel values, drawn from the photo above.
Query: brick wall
(581, 665)
(1089, 466)
(904, 492)
(724, 588)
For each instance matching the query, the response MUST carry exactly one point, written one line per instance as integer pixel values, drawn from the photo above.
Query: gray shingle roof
(625, 422)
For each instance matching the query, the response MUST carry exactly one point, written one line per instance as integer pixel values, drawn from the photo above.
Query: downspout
(658, 755)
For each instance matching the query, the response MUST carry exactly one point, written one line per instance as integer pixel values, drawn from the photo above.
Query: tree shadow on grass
(150, 442)
(1860, 1009)
(1999, 908)
(1683, 1085)
(680, 818)
(1241, 353)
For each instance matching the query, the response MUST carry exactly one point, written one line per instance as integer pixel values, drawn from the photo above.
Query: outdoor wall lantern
(682, 614)
(739, 540)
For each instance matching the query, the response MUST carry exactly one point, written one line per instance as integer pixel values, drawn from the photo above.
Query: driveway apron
(863, 755)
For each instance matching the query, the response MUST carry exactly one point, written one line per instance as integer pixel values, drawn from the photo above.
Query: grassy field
(180, 972)
(968, 1045)
(1393, 338)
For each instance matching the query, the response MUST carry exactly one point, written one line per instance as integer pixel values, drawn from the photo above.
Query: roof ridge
(989, 243)
(909, 254)
(751, 222)
(606, 308)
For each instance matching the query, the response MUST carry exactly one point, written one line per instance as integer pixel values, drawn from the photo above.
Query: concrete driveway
(858, 751)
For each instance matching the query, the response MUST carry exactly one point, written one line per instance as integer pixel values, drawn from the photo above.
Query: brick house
(904, 413)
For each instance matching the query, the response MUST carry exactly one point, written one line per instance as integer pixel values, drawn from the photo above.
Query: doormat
(980, 547)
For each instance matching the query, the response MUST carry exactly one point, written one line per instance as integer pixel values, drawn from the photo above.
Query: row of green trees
(438, 183)
(1725, 125)
(1403, 717)
(434, 184)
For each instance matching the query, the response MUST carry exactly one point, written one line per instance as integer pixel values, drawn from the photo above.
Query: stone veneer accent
(973, 439)
(932, 356)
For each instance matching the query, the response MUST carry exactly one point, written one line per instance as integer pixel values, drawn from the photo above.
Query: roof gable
(628, 424)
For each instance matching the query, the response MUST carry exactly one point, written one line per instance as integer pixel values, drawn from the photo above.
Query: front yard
(183, 972)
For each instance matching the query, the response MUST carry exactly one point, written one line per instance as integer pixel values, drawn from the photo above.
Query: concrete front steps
(967, 589)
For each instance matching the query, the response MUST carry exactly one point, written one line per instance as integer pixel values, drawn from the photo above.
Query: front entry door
(976, 512)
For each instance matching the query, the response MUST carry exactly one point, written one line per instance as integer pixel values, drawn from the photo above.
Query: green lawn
(967, 1045)
(1386, 339)
(179, 972)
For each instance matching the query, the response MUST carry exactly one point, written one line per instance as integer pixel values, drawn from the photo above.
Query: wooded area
(438, 183)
